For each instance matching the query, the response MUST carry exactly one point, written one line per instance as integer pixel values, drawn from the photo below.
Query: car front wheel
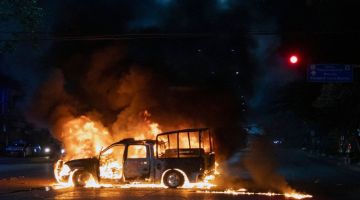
(80, 177)
(173, 179)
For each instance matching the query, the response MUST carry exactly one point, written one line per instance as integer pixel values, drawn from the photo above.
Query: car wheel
(80, 177)
(173, 179)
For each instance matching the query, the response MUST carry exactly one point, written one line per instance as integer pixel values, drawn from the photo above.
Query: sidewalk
(16, 184)
(334, 160)
(28, 160)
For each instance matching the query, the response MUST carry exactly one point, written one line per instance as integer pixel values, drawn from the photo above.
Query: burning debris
(243, 191)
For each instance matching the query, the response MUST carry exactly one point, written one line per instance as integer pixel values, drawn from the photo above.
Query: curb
(335, 161)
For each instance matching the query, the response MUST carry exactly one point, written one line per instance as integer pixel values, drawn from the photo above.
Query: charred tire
(80, 177)
(173, 179)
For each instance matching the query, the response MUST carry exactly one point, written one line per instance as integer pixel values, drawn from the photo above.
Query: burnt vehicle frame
(173, 158)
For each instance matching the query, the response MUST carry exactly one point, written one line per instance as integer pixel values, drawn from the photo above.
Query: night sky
(228, 47)
(192, 38)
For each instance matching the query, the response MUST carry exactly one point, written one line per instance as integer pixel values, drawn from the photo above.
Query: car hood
(82, 163)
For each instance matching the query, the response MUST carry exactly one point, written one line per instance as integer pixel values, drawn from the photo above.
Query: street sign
(330, 73)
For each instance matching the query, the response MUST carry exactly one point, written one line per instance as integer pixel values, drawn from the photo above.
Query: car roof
(184, 130)
(128, 141)
(133, 141)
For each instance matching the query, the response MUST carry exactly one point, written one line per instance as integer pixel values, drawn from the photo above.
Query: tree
(20, 20)
(329, 106)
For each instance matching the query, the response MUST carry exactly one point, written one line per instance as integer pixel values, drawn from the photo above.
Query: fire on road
(182, 158)
(34, 180)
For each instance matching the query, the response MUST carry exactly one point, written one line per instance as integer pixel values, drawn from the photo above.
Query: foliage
(326, 106)
(20, 20)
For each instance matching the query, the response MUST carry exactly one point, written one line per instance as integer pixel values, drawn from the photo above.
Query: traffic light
(294, 59)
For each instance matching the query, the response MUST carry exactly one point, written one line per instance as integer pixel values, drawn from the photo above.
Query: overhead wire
(51, 36)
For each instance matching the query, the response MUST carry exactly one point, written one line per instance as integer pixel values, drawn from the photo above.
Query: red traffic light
(293, 59)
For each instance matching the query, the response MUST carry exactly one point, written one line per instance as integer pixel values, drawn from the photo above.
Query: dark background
(230, 53)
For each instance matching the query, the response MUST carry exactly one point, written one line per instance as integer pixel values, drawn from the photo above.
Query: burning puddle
(198, 188)
(244, 191)
(206, 187)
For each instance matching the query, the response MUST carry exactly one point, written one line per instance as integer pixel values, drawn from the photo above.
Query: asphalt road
(319, 176)
(111, 193)
(32, 179)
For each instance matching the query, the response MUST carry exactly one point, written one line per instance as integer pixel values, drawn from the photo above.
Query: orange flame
(84, 138)
(243, 191)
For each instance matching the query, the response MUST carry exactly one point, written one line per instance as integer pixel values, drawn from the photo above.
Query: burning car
(172, 159)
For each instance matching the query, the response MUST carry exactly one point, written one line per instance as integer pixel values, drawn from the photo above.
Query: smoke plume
(126, 100)
(260, 162)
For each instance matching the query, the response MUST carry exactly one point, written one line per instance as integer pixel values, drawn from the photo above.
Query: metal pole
(178, 150)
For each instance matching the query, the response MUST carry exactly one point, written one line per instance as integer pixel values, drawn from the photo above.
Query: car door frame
(105, 180)
(146, 161)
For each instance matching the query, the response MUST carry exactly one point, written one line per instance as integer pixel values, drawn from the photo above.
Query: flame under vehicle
(172, 159)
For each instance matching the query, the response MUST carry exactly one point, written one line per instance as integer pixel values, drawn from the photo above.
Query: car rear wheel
(80, 177)
(173, 179)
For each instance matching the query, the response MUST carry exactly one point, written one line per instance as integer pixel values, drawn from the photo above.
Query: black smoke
(201, 59)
